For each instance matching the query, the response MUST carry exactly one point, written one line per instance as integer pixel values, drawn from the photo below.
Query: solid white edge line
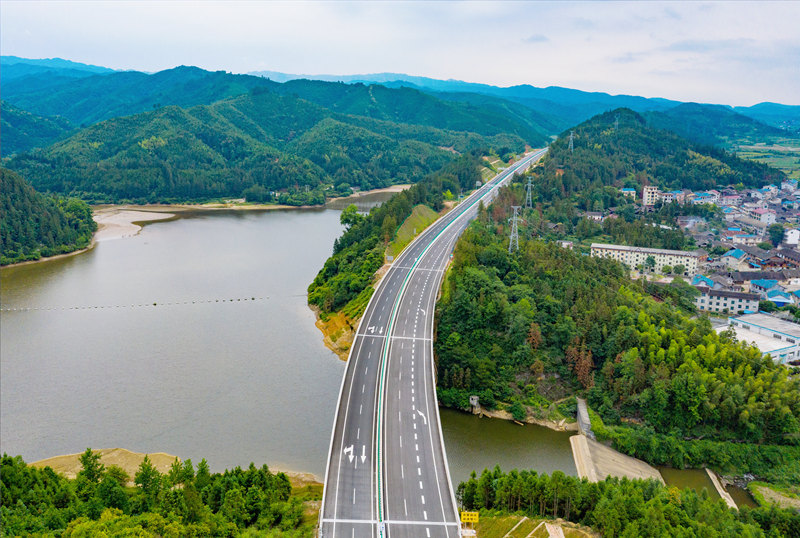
(378, 289)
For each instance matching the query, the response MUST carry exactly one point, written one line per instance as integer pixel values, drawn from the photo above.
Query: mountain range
(187, 133)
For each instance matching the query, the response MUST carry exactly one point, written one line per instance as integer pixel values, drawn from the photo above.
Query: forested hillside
(344, 282)
(712, 125)
(633, 155)
(23, 131)
(33, 225)
(627, 508)
(406, 105)
(87, 100)
(537, 325)
(187, 501)
(264, 139)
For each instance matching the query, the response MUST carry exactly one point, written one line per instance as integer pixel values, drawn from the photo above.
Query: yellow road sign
(469, 517)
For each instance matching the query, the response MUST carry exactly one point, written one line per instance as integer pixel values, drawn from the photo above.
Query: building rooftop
(700, 278)
(735, 253)
(764, 343)
(772, 323)
(729, 294)
(693, 254)
(778, 293)
(764, 283)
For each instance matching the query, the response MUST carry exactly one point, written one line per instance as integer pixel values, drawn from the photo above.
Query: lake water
(194, 338)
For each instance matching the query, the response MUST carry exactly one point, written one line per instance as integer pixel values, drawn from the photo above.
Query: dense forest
(187, 501)
(634, 154)
(23, 131)
(88, 100)
(276, 143)
(712, 125)
(624, 508)
(33, 225)
(534, 326)
(344, 281)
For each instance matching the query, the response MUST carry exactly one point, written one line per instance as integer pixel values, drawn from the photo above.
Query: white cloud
(727, 52)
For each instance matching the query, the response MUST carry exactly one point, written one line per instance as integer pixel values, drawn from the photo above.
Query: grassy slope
(420, 218)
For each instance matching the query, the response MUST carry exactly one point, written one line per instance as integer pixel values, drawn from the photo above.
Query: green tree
(118, 473)
(518, 411)
(776, 232)
(112, 495)
(203, 477)
(148, 479)
(388, 228)
(91, 468)
(679, 269)
(350, 216)
(650, 263)
(233, 507)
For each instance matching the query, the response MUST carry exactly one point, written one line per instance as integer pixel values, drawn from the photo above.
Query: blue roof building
(737, 253)
(780, 298)
(701, 280)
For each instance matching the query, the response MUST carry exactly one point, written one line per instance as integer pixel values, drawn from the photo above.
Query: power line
(528, 195)
(513, 244)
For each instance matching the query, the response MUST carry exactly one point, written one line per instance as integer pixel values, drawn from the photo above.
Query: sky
(736, 53)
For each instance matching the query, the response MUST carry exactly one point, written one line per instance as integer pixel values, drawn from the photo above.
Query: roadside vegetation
(187, 501)
(526, 330)
(344, 282)
(614, 507)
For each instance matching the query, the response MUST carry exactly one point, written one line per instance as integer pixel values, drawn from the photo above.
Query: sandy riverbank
(68, 465)
(116, 222)
(359, 194)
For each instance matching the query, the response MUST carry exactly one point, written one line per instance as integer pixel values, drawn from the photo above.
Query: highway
(387, 471)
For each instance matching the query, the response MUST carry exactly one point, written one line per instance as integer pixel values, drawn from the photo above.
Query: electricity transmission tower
(528, 196)
(513, 244)
(571, 146)
(616, 123)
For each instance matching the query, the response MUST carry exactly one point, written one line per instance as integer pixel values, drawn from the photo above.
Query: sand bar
(69, 464)
(119, 222)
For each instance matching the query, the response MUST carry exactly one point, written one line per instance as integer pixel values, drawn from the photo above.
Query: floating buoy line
(154, 304)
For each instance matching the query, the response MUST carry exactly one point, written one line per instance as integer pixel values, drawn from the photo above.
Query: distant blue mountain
(786, 117)
(564, 105)
(53, 63)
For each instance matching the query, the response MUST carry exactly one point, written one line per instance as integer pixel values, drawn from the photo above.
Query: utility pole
(571, 146)
(513, 244)
(528, 195)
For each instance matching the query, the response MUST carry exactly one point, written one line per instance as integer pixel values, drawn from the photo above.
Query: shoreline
(109, 217)
(68, 465)
(502, 414)
(392, 189)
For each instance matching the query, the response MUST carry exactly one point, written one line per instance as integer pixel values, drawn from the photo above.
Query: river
(194, 338)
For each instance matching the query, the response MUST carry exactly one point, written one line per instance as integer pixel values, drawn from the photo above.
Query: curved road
(387, 471)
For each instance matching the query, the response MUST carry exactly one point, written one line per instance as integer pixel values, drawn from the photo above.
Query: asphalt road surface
(387, 471)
